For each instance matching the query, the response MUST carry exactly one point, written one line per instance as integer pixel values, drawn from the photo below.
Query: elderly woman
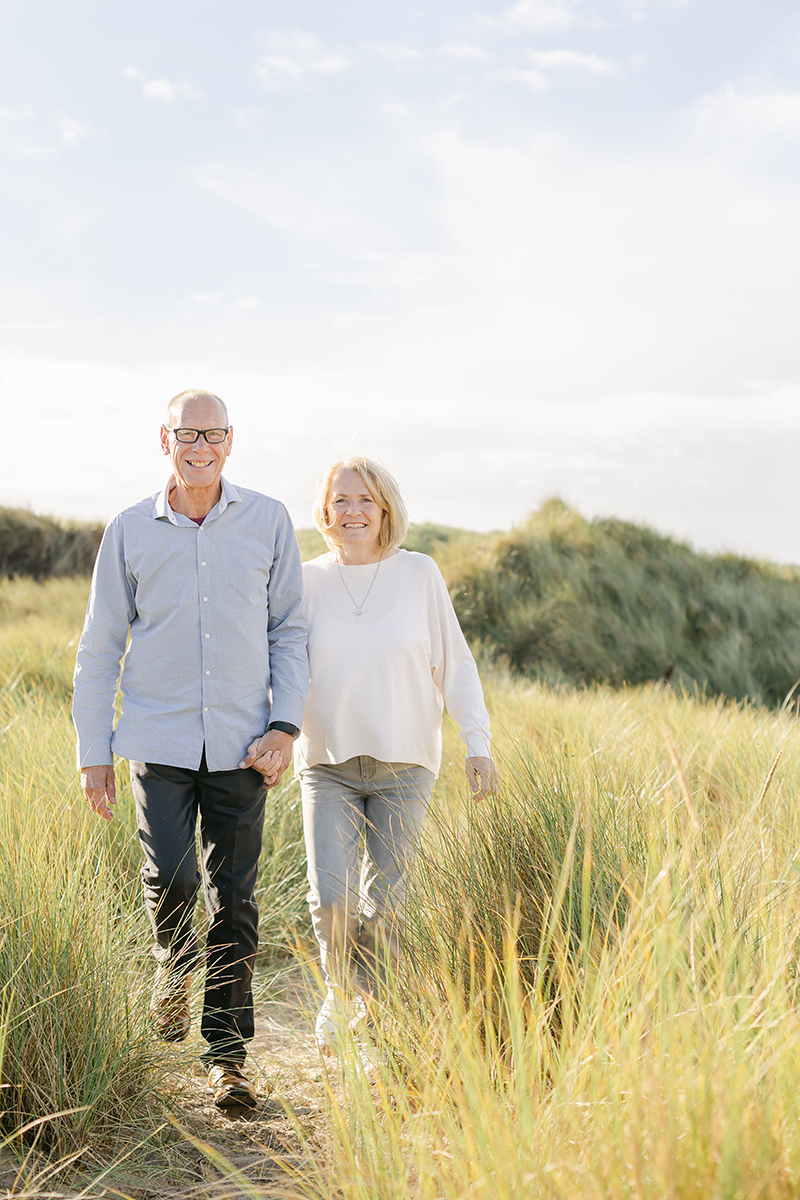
(386, 653)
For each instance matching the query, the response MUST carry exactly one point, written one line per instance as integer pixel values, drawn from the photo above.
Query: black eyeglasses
(212, 436)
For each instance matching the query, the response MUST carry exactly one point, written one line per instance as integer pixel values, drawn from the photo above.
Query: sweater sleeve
(111, 609)
(453, 668)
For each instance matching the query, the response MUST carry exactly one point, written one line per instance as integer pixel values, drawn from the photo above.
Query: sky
(511, 248)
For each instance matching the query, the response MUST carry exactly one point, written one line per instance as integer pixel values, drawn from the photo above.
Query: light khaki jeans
(374, 811)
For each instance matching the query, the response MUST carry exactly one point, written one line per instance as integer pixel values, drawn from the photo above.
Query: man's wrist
(284, 727)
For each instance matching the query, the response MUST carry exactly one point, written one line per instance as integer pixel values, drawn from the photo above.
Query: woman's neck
(356, 556)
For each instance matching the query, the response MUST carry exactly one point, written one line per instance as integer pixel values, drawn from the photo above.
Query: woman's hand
(270, 754)
(482, 776)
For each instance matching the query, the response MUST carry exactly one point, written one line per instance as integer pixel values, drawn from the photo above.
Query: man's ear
(165, 439)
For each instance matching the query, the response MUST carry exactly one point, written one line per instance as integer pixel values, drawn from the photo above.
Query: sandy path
(284, 1061)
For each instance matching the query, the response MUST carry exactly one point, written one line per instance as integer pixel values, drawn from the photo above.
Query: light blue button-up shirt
(217, 633)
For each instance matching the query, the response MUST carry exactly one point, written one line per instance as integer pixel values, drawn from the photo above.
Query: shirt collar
(162, 510)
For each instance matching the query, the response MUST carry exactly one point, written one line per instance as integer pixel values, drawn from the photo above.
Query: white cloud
(547, 14)
(73, 222)
(747, 121)
(395, 53)
(14, 135)
(37, 326)
(408, 274)
(569, 272)
(246, 302)
(537, 81)
(208, 297)
(292, 57)
(568, 60)
(164, 90)
(248, 118)
(314, 209)
(639, 10)
(20, 113)
(26, 148)
(545, 62)
(465, 51)
(627, 257)
(161, 89)
(72, 131)
(555, 267)
(568, 14)
(16, 124)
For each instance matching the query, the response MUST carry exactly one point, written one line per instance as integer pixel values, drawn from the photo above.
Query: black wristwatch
(284, 727)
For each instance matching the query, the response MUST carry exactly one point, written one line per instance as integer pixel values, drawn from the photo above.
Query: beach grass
(83, 1079)
(599, 990)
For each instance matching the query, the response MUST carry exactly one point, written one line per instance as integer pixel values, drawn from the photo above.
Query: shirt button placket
(202, 584)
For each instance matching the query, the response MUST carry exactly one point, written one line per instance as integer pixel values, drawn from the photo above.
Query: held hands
(482, 776)
(270, 754)
(100, 789)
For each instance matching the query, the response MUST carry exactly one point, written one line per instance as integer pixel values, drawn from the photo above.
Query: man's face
(198, 464)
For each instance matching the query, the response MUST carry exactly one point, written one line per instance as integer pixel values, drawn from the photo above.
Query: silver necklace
(359, 608)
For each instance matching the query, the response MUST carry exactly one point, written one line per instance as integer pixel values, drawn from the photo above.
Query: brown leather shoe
(169, 1008)
(231, 1087)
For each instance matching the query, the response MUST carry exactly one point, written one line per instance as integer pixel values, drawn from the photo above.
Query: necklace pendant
(359, 610)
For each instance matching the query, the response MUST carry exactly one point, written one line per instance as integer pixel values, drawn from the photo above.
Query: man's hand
(270, 754)
(482, 776)
(100, 789)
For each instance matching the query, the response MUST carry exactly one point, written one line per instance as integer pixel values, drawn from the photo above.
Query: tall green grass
(599, 990)
(77, 1058)
(79, 1069)
(71, 971)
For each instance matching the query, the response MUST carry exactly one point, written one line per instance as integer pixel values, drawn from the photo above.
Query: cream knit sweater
(379, 682)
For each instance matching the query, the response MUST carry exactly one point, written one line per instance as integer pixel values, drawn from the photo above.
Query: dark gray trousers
(230, 805)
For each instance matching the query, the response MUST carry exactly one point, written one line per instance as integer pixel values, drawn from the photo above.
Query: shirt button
(208, 672)
(205, 599)
(205, 709)
(208, 635)
(202, 564)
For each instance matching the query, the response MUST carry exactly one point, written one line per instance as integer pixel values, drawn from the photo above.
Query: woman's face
(356, 517)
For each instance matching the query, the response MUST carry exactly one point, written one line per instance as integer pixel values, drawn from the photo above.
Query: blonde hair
(383, 488)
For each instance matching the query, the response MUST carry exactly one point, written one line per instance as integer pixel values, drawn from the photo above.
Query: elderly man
(205, 579)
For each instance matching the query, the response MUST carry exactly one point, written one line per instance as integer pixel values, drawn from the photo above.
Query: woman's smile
(355, 516)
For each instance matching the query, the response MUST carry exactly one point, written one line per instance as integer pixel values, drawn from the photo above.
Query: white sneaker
(332, 1018)
(371, 1059)
(359, 1013)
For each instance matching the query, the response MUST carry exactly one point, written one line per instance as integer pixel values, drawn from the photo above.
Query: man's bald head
(190, 398)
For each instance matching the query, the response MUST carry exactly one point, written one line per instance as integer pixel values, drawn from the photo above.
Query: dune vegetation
(567, 600)
(83, 1081)
(42, 547)
(600, 986)
(599, 993)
